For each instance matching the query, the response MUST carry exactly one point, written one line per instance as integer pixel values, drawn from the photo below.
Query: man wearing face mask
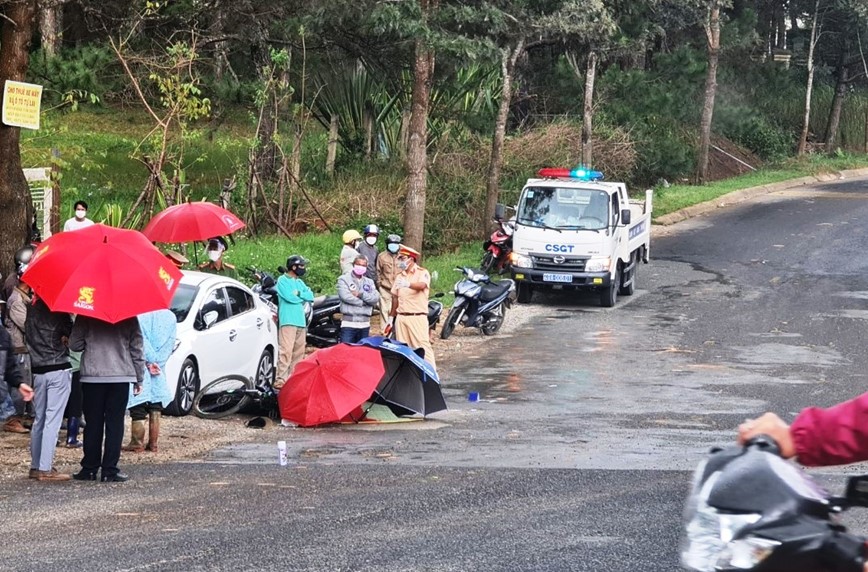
(358, 295)
(410, 303)
(215, 265)
(292, 293)
(387, 270)
(351, 240)
(368, 249)
(80, 219)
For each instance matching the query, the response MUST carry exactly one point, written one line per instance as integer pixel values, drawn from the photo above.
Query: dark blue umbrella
(410, 384)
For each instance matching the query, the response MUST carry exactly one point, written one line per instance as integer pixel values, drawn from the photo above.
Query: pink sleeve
(834, 436)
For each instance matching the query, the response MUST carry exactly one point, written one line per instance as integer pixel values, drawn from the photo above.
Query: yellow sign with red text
(21, 104)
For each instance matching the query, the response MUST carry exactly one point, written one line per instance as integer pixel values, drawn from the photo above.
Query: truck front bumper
(548, 279)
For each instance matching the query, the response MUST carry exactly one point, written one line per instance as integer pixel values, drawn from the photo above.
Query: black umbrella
(410, 384)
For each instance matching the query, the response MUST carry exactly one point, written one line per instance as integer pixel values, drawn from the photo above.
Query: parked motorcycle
(498, 247)
(479, 303)
(750, 509)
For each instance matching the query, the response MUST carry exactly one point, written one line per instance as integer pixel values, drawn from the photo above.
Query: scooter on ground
(479, 303)
(498, 247)
(750, 509)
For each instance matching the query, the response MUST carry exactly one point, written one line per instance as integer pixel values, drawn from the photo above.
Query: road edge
(750, 192)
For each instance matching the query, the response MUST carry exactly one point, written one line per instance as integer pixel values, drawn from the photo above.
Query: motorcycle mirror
(439, 294)
(281, 270)
(499, 211)
(857, 491)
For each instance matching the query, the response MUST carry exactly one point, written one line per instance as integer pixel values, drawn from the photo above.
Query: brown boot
(153, 431)
(137, 437)
(52, 475)
(14, 425)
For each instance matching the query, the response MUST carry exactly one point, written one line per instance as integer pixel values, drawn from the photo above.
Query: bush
(754, 132)
(90, 69)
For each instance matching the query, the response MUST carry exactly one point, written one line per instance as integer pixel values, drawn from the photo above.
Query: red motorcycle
(498, 247)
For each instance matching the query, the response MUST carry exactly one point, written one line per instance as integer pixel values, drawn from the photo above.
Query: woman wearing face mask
(80, 219)
(387, 269)
(215, 265)
(358, 295)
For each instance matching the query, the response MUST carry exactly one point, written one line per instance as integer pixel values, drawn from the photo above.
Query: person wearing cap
(387, 270)
(368, 249)
(292, 293)
(351, 240)
(178, 259)
(215, 265)
(410, 303)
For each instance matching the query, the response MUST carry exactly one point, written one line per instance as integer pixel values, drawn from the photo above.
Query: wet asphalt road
(579, 455)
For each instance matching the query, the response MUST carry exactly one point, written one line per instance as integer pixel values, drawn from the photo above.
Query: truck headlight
(521, 261)
(598, 264)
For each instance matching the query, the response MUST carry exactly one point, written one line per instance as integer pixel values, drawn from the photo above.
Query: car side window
(216, 302)
(239, 300)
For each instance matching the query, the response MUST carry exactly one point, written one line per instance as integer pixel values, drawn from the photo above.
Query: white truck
(574, 231)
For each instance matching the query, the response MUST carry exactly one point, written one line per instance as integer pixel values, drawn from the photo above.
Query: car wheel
(265, 370)
(185, 392)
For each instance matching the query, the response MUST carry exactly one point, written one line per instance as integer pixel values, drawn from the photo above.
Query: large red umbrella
(190, 222)
(103, 272)
(330, 383)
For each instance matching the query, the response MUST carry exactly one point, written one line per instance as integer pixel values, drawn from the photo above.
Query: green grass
(676, 197)
(323, 251)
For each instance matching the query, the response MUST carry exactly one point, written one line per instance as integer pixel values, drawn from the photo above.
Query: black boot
(72, 441)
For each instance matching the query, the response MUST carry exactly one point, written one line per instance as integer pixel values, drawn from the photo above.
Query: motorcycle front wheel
(222, 397)
(487, 263)
(451, 321)
(492, 322)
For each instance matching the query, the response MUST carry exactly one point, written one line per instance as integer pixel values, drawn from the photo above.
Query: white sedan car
(223, 328)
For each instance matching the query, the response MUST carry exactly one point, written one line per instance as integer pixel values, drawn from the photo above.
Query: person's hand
(154, 369)
(773, 426)
(137, 388)
(26, 392)
(388, 329)
(64, 340)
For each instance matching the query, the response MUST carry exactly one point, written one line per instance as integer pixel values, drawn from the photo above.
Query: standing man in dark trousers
(112, 358)
(47, 334)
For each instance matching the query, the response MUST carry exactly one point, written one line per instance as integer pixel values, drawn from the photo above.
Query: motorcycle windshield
(564, 208)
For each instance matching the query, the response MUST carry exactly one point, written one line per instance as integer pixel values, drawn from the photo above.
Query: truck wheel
(629, 289)
(609, 296)
(524, 292)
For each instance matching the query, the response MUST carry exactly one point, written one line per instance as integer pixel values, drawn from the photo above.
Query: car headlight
(598, 264)
(521, 261)
(709, 544)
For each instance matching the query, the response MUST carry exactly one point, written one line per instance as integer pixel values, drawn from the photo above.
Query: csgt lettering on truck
(559, 247)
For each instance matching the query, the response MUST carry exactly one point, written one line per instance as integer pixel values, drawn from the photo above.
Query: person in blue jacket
(292, 293)
(159, 329)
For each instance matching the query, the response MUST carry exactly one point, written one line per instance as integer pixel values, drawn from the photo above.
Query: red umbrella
(190, 222)
(328, 384)
(103, 272)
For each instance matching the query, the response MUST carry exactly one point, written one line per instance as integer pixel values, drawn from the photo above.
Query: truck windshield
(569, 209)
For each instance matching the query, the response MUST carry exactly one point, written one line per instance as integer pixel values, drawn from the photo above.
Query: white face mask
(393, 248)
(80, 214)
(214, 255)
(372, 240)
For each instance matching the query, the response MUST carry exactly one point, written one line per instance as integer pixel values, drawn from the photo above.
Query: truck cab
(575, 231)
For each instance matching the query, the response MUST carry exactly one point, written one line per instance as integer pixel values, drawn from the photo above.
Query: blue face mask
(393, 248)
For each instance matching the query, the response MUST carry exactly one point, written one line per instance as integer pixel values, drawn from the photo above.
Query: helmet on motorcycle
(351, 236)
(371, 229)
(22, 258)
(393, 239)
(295, 260)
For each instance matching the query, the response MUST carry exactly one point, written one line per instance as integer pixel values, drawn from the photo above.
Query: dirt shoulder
(190, 438)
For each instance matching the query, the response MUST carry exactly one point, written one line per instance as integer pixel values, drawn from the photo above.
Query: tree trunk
(332, 150)
(834, 120)
(16, 29)
(806, 120)
(50, 15)
(492, 188)
(417, 152)
(588, 112)
(712, 32)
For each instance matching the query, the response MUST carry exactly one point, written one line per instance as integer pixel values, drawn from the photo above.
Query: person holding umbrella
(112, 359)
(215, 265)
(292, 293)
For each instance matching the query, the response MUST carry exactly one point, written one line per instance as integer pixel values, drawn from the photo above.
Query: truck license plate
(557, 278)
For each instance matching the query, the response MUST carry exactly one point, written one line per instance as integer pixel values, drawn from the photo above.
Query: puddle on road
(772, 354)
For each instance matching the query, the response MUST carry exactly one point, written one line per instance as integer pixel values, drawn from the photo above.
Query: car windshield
(560, 208)
(182, 301)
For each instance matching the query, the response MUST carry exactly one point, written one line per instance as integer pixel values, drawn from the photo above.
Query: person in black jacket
(10, 375)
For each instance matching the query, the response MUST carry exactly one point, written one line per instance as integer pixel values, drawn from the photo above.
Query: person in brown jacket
(387, 270)
(16, 316)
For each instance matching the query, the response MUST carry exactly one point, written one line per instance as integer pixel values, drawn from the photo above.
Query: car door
(248, 326)
(215, 347)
